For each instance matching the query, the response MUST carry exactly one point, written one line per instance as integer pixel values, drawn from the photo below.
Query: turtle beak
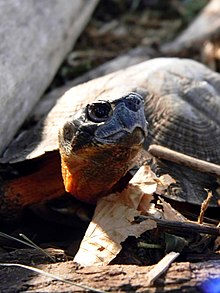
(127, 116)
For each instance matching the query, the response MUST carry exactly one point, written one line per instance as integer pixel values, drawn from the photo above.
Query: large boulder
(35, 37)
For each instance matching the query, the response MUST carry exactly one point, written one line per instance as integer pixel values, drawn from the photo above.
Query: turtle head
(99, 145)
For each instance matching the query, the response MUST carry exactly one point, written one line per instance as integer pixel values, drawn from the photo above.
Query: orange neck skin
(93, 173)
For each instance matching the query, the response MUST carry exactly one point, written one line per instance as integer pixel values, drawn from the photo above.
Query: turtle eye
(99, 112)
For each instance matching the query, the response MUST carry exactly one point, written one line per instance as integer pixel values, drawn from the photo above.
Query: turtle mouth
(136, 137)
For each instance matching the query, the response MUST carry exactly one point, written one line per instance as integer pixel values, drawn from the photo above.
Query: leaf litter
(114, 218)
(114, 221)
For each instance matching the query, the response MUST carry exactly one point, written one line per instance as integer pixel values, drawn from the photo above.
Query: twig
(195, 217)
(38, 247)
(179, 158)
(16, 239)
(28, 242)
(204, 207)
(149, 245)
(184, 226)
(161, 267)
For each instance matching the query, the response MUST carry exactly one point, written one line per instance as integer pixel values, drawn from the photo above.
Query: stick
(189, 227)
(179, 158)
(161, 267)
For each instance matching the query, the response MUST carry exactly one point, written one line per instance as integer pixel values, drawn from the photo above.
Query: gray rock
(35, 37)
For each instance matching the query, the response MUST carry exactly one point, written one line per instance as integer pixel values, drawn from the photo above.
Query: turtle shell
(182, 106)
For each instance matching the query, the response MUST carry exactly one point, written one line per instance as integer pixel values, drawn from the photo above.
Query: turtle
(97, 129)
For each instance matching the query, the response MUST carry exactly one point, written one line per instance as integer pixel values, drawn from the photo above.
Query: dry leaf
(204, 206)
(163, 182)
(154, 212)
(170, 213)
(111, 224)
(114, 217)
(149, 183)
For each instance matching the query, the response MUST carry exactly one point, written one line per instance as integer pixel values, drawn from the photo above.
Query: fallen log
(182, 276)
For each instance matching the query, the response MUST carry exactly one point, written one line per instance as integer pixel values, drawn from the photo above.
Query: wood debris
(161, 267)
(186, 160)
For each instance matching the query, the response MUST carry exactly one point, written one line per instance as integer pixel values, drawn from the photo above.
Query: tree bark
(35, 38)
(180, 277)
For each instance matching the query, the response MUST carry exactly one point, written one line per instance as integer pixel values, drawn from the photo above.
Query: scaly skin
(95, 170)
(95, 157)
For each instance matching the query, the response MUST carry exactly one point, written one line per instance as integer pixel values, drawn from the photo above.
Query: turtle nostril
(134, 102)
